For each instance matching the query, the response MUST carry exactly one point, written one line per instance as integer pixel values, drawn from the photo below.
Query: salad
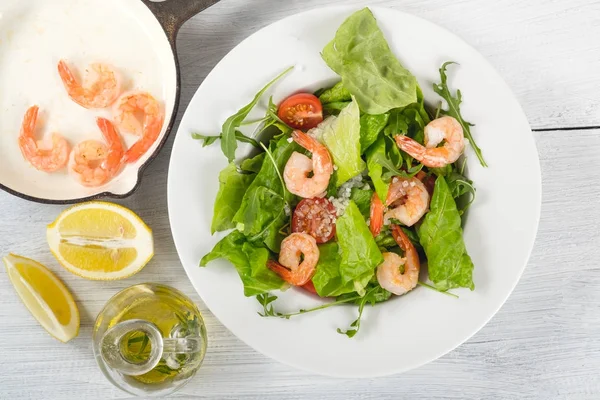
(351, 189)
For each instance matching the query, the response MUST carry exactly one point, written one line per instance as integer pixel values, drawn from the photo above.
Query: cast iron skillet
(170, 15)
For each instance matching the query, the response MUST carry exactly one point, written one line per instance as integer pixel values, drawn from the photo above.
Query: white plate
(408, 331)
(34, 36)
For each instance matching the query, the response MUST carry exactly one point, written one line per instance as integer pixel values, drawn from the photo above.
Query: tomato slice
(315, 217)
(301, 111)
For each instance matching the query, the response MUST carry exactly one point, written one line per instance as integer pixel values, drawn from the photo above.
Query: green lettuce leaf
(370, 128)
(253, 164)
(370, 71)
(250, 262)
(342, 138)
(232, 187)
(336, 94)
(327, 279)
(441, 236)
(359, 252)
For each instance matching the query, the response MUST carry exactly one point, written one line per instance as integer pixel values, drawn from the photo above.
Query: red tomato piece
(315, 217)
(301, 111)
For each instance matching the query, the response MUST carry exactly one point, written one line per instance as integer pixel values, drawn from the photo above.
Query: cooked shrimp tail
(299, 167)
(298, 259)
(100, 89)
(40, 155)
(376, 215)
(389, 275)
(446, 129)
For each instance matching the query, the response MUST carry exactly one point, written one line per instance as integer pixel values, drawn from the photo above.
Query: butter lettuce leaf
(370, 71)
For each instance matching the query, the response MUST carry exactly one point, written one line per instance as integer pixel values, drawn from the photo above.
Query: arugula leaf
(232, 186)
(370, 128)
(228, 132)
(336, 94)
(462, 188)
(454, 108)
(268, 311)
(370, 71)
(249, 261)
(441, 236)
(372, 296)
(359, 252)
(239, 136)
(342, 138)
(327, 279)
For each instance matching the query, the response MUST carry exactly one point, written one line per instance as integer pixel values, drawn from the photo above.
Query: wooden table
(545, 341)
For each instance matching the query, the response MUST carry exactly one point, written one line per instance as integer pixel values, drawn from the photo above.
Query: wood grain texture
(543, 344)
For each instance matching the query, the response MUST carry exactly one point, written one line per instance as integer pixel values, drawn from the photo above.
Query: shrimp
(100, 89)
(388, 273)
(43, 158)
(297, 259)
(125, 112)
(93, 162)
(446, 129)
(407, 201)
(299, 167)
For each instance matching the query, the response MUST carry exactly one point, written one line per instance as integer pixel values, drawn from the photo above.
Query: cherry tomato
(301, 111)
(310, 287)
(315, 217)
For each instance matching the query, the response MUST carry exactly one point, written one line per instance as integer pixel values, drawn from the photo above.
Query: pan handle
(173, 13)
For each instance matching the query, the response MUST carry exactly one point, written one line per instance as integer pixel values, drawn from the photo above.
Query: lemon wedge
(100, 241)
(45, 296)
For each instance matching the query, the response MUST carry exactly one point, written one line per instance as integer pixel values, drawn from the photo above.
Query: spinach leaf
(228, 131)
(440, 235)
(253, 164)
(327, 279)
(370, 71)
(336, 94)
(359, 252)
(362, 198)
(342, 138)
(232, 186)
(454, 108)
(249, 261)
(370, 128)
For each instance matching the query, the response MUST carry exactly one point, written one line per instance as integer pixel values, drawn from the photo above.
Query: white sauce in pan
(34, 36)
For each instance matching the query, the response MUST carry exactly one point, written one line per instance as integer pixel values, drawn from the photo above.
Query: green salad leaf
(262, 211)
(335, 108)
(239, 136)
(374, 154)
(253, 164)
(335, 94)
(362, 199)
(441, 236)
(250, 262)
(232, 187)
(370, 128)
(327, 279)
(454, 108)
(359, 252)
(231, 125)
(370, 71)
(342, 138)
